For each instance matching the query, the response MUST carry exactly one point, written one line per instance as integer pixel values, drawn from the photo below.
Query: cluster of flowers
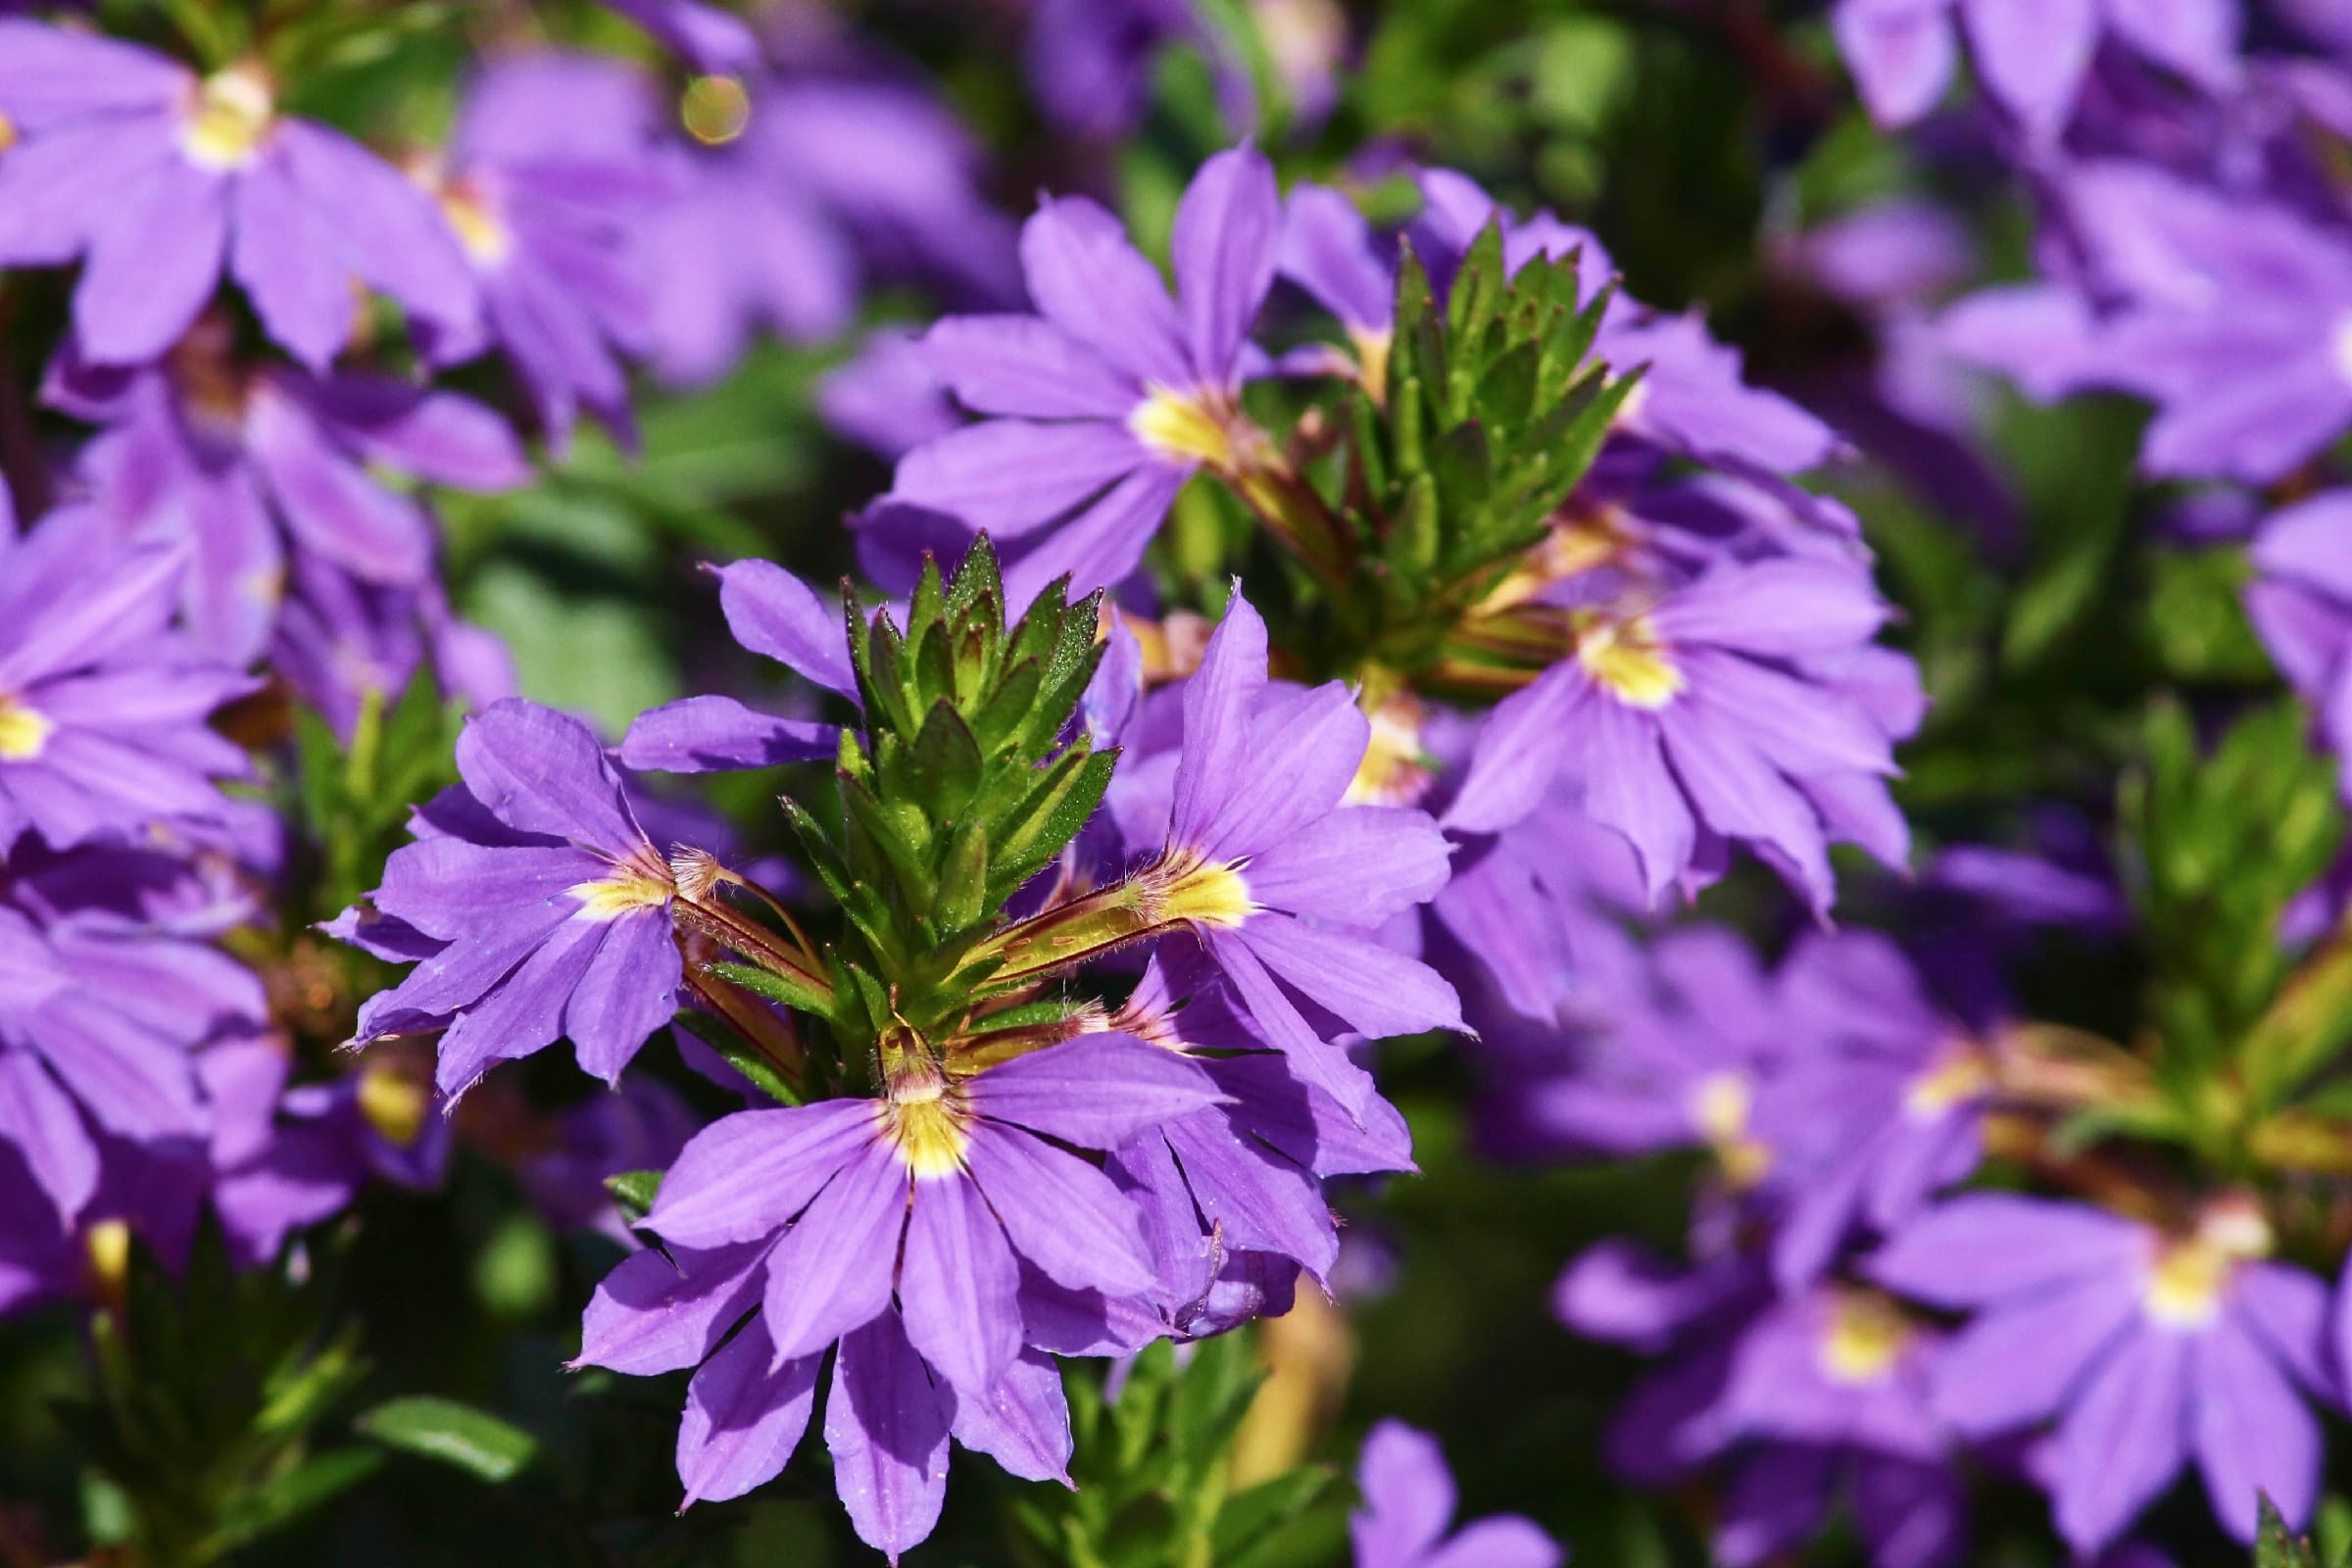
(251, 500)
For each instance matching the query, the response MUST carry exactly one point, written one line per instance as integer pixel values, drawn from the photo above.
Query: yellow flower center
(627, 889)
(478, 226)
(1720, 1106)
(1960, 1075)
(8, 133)
(715, 109)
(1197, 892)
(1184, 427)
(1626, 658)
(232, 113)
(2184, 1288)
(23, 732)
(1865, 1336)
(1372, 360)
(393, 1104)
(926, 1123)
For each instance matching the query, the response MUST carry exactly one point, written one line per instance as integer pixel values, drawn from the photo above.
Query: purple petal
(1023, 1423)
(2288, 1310)
(2253, 1435)
(629, 990)
(1227, 228)
(1062, 1214)
(124, 605)
(1629, 790)
(1506, 1540)
(958, 1286)
(1327, 249)
(831, 1272)
(2198, 38)
(1087, 280)
(2013, 1365)
(1304, 749)
(1779, 609)
(1097, 1091)
(130, 1082)
(541, 772)
(290, 266)
(1986, 1245)
(522, 1014)
(745, 1175)
(744, 1417)
(1408, 1496)
(328, 501)
(2033, 55)
(887, 1429)
(715, 734)
(1316, 1060)
(2124, 1439)
(153, 263)
(1902, 55)
(1101, 545)
(41, 1120)
(1007, 477)
(1361, 865)
(1217, 699)
(386, 229)
(1377, 989)
(652, 1315)
(1019, 364)
(772, 612)
(49, 74)
(1519, 751)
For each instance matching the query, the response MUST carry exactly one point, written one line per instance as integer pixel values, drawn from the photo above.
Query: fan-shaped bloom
(2030, 58)
(549, 164)
(101, 709)
(2148, 1348)
(1278, 877)
(1714, 714)
(244, 466)
(1806, 1398)
(1408, 1505)
(935, 1232)
(159, 179)
(1102, 405)
(550, 907)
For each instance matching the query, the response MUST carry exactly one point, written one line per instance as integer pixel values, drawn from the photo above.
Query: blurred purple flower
(2146, 1347)
(1409, 1502)
(776, 615)
(159, 179)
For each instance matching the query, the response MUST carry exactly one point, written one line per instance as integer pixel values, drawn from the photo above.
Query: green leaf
(2274, 1547)
(635, 1191)
(453, 1434)
(1253, 1521)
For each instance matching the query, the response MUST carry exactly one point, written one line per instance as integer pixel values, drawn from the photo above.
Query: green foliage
(210, 1389)
(453, 1434)
(354, 802)
(2275, 1546)
(1151, 1468)
(1491, 411)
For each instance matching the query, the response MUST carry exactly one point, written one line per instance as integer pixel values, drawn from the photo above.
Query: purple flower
(641, 1127)
(1881, 1108)
(103, 711)
(1803, 1397)
(1103, 404)
(1408, 1503)
(2231, 313)
(2146, 1347)
(1706, 713)
(2031, 58)
(935, 1232)
(549, 905)
(341, 643)
(1090, 63)
(1281, 881)
(1240, 1180)
(886, 397)
(549, 166)
(99, 1012)
(243, 468)
(158, 179)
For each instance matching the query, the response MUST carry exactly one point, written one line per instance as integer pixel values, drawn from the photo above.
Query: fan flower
(2147, 1348)
(159, 179)
(934, 1233)
(245, 467)
(1408, 1503)
(550, 162)
(2301, 606)
(551, 906)
(1100, 406)
(102, 710)
(1713, 714)
(1805, 1398)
